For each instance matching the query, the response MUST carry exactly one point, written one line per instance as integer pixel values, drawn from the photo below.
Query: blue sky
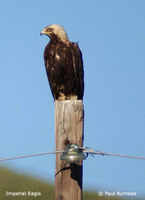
(111, 35)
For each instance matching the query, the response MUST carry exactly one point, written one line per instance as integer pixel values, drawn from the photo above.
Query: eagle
(64, 65)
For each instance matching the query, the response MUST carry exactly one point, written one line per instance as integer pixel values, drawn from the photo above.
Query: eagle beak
(46, 31)
(43, 32)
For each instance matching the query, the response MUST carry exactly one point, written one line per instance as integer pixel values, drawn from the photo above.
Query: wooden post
(69, 120)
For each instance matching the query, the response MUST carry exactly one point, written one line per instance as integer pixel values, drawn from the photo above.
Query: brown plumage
(64, 65)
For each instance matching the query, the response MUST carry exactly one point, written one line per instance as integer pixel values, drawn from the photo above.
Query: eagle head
(55, 31)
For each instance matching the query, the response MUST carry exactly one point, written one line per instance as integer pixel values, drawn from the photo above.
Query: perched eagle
(64, 65)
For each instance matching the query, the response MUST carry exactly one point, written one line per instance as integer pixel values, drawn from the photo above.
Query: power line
(91, 151)
(31, 155)
(86, 150)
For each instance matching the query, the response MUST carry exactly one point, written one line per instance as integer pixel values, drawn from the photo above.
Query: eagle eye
(48, 29)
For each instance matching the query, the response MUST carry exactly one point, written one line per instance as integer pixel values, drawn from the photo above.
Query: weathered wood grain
(69, 121)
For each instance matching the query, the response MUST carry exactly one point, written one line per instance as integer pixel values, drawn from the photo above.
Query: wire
(91, 151)
(119, 155)
(31, 155)
(86, 150)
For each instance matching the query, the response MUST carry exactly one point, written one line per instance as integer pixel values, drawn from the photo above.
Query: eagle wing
(78, 70)
(64, 67)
